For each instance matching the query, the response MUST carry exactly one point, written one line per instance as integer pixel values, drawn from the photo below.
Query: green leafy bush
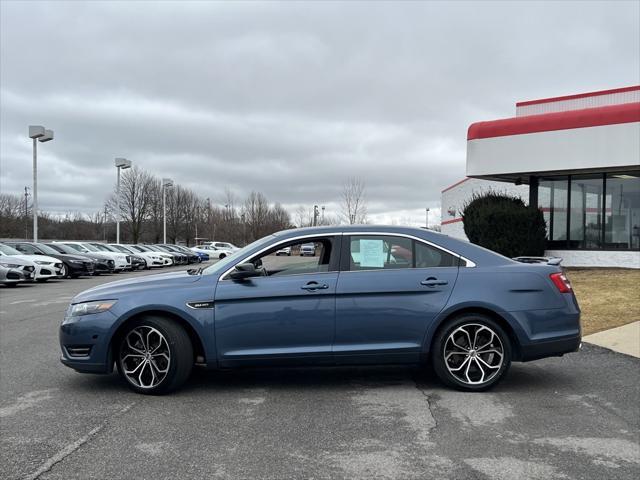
(504, 224)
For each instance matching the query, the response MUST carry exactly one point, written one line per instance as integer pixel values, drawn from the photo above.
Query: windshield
(90, 247)
(79, 248)
(226, 262)
(99, 247)
(62, 248)
(141, 248)
(46, 249)
(7, 250)
(120, 248)
(161, 249)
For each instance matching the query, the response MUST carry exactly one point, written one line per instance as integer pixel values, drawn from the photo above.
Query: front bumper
(88, 333)
(84, 268)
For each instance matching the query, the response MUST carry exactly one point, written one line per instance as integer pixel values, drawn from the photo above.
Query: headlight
(88, 308)
(9, 265)
(76, 261)
(42, 262)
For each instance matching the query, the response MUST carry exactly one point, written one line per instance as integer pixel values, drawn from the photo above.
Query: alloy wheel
(473, 354)
(145, 357)
(63, 271)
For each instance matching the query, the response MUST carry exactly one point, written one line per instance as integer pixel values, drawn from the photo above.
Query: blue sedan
(368, 295)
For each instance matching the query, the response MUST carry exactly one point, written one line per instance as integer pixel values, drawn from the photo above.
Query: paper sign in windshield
(371, 253)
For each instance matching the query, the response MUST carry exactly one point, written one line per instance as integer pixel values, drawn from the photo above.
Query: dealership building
(578, 158)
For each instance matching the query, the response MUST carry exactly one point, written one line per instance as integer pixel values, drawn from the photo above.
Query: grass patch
(608, 297)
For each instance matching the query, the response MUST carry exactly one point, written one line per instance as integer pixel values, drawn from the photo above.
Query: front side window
(301, 261)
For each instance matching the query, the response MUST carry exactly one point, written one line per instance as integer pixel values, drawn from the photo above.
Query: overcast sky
(287, 98)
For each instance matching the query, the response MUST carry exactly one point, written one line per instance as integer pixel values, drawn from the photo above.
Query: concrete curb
(624, 339)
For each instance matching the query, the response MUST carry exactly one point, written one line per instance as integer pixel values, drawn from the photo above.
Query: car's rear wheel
(155, 355)
(472, 352)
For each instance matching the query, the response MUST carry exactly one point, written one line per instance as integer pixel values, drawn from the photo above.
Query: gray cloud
(287, 98)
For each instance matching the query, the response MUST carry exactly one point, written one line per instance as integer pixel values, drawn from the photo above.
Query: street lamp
(121, 164)
(37, 132)
(427, 218)
(166, 183)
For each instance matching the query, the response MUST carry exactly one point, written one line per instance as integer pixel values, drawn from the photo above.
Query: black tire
(471, 321)
(180, 348)
(11, 284)
(222, 255)
(41, 280)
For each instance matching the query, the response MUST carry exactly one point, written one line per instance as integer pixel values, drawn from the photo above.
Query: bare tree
(136, 190)
(353, 205)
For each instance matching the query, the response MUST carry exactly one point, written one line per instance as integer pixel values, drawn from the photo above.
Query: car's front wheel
(155, 355)
(472, 352)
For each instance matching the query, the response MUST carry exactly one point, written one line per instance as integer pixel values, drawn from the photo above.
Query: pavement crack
(428, 397)
(73, 446)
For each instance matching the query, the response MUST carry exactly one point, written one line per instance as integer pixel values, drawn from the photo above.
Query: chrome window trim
(287, 240)
(469, 263)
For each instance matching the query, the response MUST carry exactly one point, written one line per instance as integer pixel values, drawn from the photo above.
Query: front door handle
(311, 286)
(433, 282)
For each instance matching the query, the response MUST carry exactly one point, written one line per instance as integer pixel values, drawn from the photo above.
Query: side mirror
(244, 271)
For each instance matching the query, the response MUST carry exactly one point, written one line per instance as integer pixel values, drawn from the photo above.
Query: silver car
(16, 270)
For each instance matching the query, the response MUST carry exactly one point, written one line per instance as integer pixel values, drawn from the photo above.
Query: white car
(213, 252)
(223, 246)
(45, 267)
(167, 258)
(120, 259)
(151, 259)
(284, 251)
(14, 270)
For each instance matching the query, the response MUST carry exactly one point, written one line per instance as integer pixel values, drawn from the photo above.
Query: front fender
(200, 321)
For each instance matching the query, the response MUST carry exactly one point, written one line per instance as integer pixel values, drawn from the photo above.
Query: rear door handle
(433, 282)
(311, 286)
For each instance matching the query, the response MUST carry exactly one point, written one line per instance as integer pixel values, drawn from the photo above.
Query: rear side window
(429, 257)
(388, 252)
(373, 252)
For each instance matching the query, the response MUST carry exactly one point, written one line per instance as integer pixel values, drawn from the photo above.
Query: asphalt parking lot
(576, 417)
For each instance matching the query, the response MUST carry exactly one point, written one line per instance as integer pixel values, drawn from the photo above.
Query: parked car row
(22, 261)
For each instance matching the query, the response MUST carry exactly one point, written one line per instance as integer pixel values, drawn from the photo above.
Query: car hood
(114, 290)
(36, 258)
(17, 260)
(68, 257)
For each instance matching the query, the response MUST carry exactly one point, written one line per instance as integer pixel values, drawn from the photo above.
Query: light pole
(121, 164)
(322, 221)
(166, 183)
(37, 132)
(427, 219)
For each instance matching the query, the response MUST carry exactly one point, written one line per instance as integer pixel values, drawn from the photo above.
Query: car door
(287, 316)
(389, 289)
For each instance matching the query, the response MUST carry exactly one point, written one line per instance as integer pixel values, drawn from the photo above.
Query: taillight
(561, 282)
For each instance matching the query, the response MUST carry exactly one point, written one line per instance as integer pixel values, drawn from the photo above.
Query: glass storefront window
(585, 225)
(552, 200)
(604, 211)
(622, 211)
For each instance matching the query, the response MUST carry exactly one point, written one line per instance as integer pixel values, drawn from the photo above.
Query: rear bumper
(551, 348)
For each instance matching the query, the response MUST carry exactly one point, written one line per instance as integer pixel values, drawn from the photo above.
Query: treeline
(141, 211)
